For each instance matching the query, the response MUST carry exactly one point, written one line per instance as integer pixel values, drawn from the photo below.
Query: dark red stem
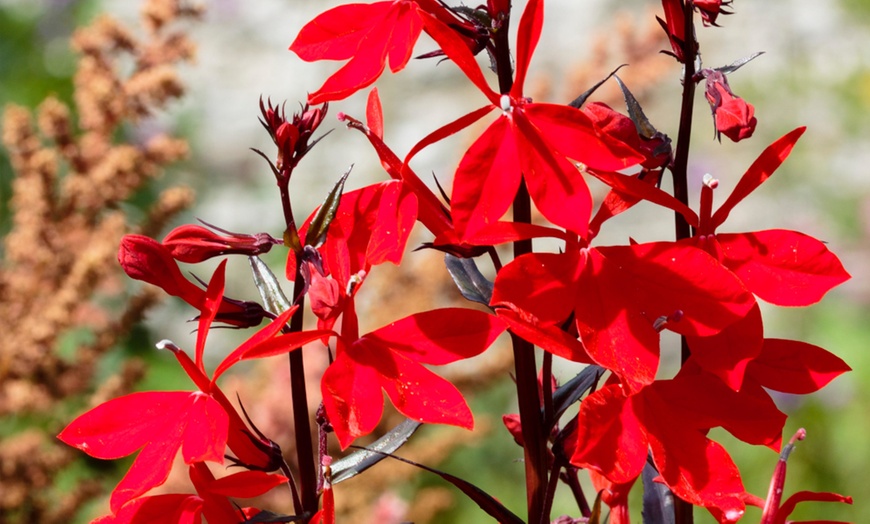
(683, 510)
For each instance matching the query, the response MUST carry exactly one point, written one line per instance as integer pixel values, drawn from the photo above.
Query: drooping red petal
(572, 134)
(206, 429)
(245, 484)
(440, 336)
(615, 332)
(538, 284)
(555, 185)
(420, 394)
(504, 232)
(611, 439)
(486, 180)
(795, 367)
(786, 268)
(352, 397)
(457, 51)
(397, 214)
(727, 353)
(662, 278)
(548, 337)
(210, 306)
(158, 509)
(695, 468)
(808, 496)
(702, 402)
(760, 170)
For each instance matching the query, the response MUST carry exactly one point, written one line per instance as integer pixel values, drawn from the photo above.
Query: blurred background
(815, 72)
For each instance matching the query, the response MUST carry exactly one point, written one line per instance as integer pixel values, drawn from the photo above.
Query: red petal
(504, 232)
(795, 367)
(245, 484)
(271, 347)
(697, 469)
(420, 394)
(457, 51)
(486, 180)
(808, 496)
(206, 425)
(538, 284)
(119, 427)
(210, 306)
(727, 353)
(375, 114)
(782, 267)
(662, 278)
(610, 437)
(351, 396)
(439, 336)
(700, 401)
(571, 133)
(336, 33)
(397, 214)
(549, 338)
(555, 185)
(176, 508)
(631, 185)
(760, 170)
(614, 331)
(528, 34)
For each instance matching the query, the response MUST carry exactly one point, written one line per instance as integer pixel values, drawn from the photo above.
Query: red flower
(670, 418)
(619, 297)
(734, 117)
(391, 359)
(366, 35)
(711, 9)
(200, 423)
(529, 141)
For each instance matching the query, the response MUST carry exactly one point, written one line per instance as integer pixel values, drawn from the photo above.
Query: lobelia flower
(391, 359)
(528, 141)
(670, 420)
(367, 35)
(732, 116)
(200, 423)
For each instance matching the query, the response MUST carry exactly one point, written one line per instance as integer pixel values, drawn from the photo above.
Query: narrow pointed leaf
(644, 127)
(468, 278)
(485, 501)
(580, 100)
(319, 226)
(570, 392)
(737, 64)
(359, 461)
(658, 501)
(270, 290)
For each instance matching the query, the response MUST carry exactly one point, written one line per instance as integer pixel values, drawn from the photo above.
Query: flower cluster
(600, 305)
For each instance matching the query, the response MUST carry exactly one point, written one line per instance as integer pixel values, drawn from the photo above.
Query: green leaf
(270, 290)
(319, 226)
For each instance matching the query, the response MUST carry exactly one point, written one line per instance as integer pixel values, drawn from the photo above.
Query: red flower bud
(734, 117)
(147, 260)
(192, 243)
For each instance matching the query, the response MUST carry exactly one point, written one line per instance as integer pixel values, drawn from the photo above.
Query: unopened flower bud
(733, 116)
(192, 243)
